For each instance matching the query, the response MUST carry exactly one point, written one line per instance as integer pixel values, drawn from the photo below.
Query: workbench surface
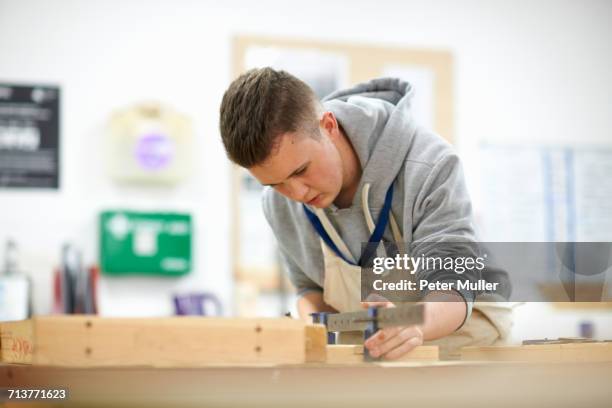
(457, 384)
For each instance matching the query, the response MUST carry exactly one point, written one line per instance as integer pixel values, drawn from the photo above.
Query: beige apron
(489, 323)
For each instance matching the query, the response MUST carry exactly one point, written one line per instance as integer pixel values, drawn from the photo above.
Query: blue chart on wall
(546, 193)
(29, 136)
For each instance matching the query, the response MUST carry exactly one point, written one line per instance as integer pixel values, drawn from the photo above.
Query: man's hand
(392, 343)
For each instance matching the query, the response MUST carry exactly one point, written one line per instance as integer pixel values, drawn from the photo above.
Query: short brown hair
(261, 105)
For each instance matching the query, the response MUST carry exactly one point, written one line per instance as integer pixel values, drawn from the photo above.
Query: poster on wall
(29, 136)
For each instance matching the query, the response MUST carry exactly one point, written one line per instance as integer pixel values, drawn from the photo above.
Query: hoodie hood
(376, 117)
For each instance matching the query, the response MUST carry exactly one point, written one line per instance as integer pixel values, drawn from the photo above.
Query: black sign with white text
(29, 136)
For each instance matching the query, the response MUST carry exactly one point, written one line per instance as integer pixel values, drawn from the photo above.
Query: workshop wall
(538, 72)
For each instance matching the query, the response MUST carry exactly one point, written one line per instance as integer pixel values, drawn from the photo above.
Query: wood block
(571, 352)
(316, 343)
(89, 341)
(351, 354)
(344, 354)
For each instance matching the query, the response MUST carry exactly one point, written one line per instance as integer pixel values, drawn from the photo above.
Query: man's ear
(329, 123)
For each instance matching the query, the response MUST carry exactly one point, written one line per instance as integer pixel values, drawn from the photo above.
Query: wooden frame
(369, 61)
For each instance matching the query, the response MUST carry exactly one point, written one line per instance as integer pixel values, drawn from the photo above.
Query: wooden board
(353, 354)
(457, 384)
(87, 341)
(571, 352)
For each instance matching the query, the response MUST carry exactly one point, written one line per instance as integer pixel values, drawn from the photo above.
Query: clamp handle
(371, 328)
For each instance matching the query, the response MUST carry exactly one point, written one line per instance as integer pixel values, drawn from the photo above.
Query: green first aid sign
(145, 243)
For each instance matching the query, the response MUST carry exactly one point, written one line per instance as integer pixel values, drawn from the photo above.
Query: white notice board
(545, 193)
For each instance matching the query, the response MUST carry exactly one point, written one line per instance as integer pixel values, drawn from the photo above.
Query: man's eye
(302, 171)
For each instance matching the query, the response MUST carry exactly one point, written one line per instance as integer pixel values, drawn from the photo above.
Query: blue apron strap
(379, 230)
(316, 223)
(376, 236)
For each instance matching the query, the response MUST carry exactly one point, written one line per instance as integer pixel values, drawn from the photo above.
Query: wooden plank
(352, 354)
(87, 341)
(571, 352)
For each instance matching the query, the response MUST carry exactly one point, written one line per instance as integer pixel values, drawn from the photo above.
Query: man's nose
(297, 191)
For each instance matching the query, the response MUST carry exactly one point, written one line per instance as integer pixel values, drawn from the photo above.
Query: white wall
(534, 72)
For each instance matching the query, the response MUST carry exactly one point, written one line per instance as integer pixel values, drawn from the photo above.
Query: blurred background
(116, 196)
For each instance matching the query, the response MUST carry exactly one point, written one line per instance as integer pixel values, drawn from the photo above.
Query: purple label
(154, 151)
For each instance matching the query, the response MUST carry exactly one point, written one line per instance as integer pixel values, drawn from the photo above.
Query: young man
(330, 168)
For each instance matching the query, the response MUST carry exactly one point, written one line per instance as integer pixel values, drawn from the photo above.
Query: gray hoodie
(430, 201)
